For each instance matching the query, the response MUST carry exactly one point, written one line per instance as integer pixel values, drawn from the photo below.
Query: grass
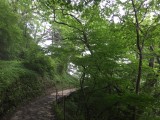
(65, 81)
(17, 84)
(10, 71)
(73, 111)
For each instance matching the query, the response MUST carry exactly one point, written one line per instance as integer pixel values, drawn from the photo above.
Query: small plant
(39, 62)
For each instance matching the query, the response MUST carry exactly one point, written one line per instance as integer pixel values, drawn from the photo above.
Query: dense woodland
(109, 49)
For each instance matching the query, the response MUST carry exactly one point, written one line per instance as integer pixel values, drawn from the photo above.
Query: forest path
(40, 109)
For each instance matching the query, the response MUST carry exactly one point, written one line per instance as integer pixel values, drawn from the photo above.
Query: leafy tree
(10, 33)
(117, 61)
(114, 46)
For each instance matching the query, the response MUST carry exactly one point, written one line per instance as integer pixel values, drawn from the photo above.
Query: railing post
(64, 107)
(56, 95)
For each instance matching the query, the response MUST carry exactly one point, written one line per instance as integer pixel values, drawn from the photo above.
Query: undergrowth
(65, 81)
(69, 108)
(18, 84)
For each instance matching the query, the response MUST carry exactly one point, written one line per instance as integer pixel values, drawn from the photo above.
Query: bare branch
(63, 23)
(144, 15)
(72, 17)
(141, 5)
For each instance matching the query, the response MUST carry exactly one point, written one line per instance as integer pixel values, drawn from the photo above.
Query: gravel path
(39, 109)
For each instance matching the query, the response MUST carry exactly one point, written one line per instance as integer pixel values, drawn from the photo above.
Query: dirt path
(39, 109)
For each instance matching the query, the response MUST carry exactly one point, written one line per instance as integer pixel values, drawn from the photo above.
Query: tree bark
(139, 48)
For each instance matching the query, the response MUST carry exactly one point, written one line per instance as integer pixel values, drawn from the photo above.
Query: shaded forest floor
(39, 109)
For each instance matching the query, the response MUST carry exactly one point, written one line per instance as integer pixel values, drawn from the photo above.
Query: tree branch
(139, 49)
(72, 17)
(63, 23)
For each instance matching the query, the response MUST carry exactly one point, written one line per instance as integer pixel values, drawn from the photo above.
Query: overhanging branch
(63, 23)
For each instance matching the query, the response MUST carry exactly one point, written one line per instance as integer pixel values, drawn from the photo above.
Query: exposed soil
(41, 108)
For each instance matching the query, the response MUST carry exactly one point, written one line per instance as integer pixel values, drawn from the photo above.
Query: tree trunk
(139, 48)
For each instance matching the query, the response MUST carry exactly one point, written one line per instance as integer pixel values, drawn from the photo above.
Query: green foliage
(101, 42)
(10, 33)
(106, 56)
(36, 60)
(65, 80)
(115, 106)
(17, 84)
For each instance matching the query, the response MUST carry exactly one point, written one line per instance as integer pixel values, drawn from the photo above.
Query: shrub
(17, 84)
(39, 62)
